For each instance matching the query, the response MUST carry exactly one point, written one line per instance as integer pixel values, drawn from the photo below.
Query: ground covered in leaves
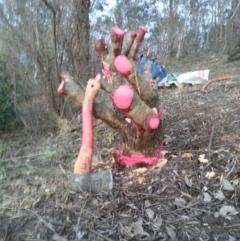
(192, 194)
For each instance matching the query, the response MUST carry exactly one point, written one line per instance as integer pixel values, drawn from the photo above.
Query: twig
(234, 164)
(63, 170)
(42, 220)
(229, 226)
(135, 73)
(100, 235)
(210, 143)
(182, 208)
(81, 212)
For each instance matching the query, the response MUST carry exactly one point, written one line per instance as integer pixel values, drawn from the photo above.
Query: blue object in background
(155, 69)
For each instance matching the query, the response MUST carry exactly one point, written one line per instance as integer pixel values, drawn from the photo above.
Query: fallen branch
(227, 77)
(210, 143)
(100, 235)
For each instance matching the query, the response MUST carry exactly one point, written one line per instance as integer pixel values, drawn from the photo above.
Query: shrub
(7, 113)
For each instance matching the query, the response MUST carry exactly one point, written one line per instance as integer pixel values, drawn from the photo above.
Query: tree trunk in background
(183, 33)
(81, 40)
(50, 36)
(171, 29)
(235, 7)
(55, 103)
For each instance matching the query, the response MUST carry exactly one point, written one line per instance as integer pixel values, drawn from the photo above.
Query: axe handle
(84, 159)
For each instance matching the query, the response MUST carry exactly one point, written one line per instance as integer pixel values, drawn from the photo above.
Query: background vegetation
(40, 38)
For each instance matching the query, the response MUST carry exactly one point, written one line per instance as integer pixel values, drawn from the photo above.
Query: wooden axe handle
(84, 159)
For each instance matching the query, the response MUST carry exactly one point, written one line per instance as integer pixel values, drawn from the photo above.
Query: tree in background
(41, 37)
(44, 37)
(7, 107)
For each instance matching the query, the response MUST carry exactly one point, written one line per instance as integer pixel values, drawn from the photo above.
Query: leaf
(126, 230)
(227, 210)
(171, 233)
(185, 194)
(188, 182)
(219, 195)
(158, 222)
(187, 155)
(150, 213)
(202, 159)
(207, 198)
(180, 202)
(141, 180)
(59, 238)
(227, 186)
(147, 204)
(131, 205)
(230, 238)
(138, 229)
(235, 182)
(210, 175)
(139, 171)
(159, 166)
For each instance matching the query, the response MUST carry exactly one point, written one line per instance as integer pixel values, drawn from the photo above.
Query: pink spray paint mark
(153, 121)
(123, 96)
(138, 158)
(97, 77)
(143, 28)
(107, 73)
(123, 65)
(117, 31)
(61, 89)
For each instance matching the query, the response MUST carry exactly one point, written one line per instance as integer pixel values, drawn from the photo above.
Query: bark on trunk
(81, 39)
(127, 95)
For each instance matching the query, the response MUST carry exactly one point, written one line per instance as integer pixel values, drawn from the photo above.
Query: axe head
(93, 182)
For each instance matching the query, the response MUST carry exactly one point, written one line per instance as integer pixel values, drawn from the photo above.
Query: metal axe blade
(94, 182)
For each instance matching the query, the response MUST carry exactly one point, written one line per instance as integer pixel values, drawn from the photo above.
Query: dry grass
(177, 201)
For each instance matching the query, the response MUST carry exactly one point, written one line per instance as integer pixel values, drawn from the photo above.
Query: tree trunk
(229, 21)
(130, 105)
(81, 39)
(171, 29)
(183, 33)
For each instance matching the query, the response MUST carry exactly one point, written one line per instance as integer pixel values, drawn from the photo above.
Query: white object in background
(195, 77)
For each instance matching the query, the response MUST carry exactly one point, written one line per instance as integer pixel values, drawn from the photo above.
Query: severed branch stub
(128, 96)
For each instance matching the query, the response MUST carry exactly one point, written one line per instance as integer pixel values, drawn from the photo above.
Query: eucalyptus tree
(50, 35)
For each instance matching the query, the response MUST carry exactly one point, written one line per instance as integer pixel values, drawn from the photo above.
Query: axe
(82, 179)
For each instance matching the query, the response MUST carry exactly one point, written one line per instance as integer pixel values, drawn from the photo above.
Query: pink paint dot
(61, 89)
(153, 123)
(143, 28)
(123, 65)
(122, 97)
(97, 77)
(118, 31)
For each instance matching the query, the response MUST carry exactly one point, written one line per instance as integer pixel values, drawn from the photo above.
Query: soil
(193, 193)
